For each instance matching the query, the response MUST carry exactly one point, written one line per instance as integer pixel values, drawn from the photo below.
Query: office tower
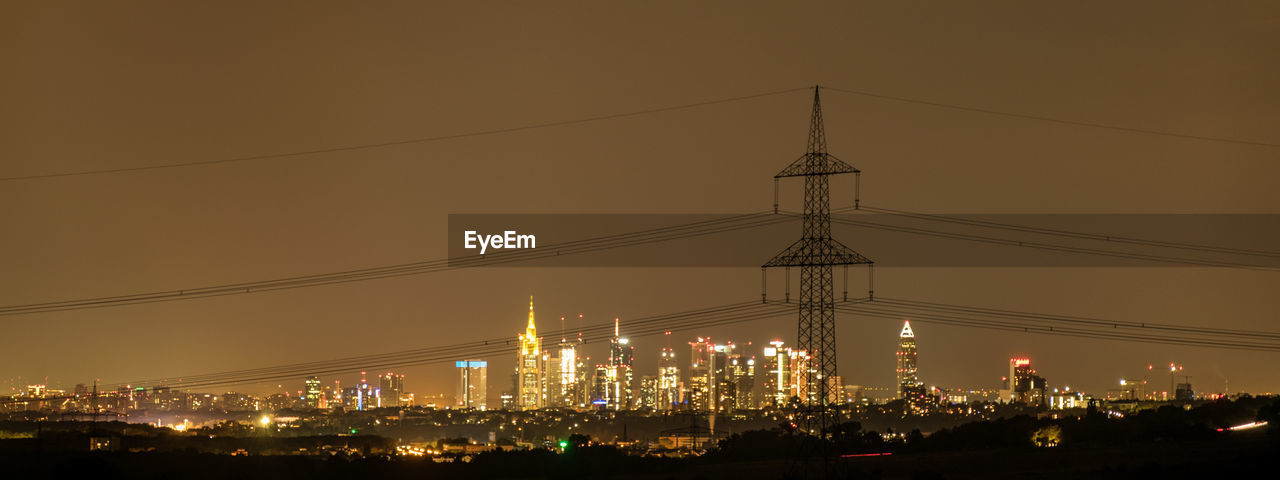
(600, 383)
(529, 367)
(391, 390)
(777, 370)
(802, 368)
(648, 397)
(363, 396)
(565, 374)
(619, 395)
(313, 392)
(700, 371)
(742, 375)
(474, 383)
(1023, 385)
(908, 380)
(668, 381)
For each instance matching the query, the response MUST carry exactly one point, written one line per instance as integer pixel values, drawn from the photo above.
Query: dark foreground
(1252, 455)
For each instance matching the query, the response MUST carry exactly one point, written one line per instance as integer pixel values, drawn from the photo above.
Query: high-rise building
(700, 388)
(362, 396)
(908, 380)
(619, 394)
(601, 380)
(668, 395)
(777, 369)
(529, 367)
(565, 374)
(474, 383)
(802, 369)
(313, 394)
(1023, 385)
(391, 390)
(742, 376)
(648, 397)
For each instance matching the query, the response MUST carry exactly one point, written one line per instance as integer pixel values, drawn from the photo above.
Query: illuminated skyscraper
(668, 395)
(699, 395)
(777, 369)
(473, 383)
(1023, 385)
(908, 380)
(362, 396)
(618, 393)
(313, 392)
(648, 397)
(601, 380)
(529, 367)
(390, 390)
(742, 376)
(802, 368)
(565, 374)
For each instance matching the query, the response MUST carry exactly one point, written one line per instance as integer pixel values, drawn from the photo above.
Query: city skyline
(663, 240)
(617, 393)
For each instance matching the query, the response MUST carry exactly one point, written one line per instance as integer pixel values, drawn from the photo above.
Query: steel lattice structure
(816, 253)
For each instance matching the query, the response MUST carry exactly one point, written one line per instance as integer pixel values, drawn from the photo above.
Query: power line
(504, 342)
(1067, 233)
(1071, 319)
(1054, 247)
(1013, 326)
(437, 138)
(1040, 118)
(676, 232)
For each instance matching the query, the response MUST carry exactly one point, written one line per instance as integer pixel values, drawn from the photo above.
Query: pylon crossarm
(816, 164)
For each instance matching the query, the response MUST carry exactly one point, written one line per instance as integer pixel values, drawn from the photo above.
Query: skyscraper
(1023, 385)
(648, 397)
(473, 383)
(668, 381)
(390, 390)
(700, 372)
(742, 375)
(313, 392)
(777, 374)
(529, 367)
(619, 394)
(908, 380)
(565, 374)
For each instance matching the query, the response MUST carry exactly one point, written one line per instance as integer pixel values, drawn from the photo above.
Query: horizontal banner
(1250, 241)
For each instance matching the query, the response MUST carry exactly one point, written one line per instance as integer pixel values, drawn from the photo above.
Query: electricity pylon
(815, 254)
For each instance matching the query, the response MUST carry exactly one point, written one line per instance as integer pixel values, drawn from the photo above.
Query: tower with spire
(529, 366)
(908, 381)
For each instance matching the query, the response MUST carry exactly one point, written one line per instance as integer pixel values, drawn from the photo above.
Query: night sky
(125, 84)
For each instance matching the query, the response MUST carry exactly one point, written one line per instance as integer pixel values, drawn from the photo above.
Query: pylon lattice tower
(816, 253)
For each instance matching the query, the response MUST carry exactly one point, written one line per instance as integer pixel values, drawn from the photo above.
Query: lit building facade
(777, 375)
(700, 387)
(391, 390)
(907, 371)
(742, 377)
(1022, 385)
(668, 395)
(313, 393)
(565, 374)
(473, 383)
(618, 393)
(648, 397)
(529, 367)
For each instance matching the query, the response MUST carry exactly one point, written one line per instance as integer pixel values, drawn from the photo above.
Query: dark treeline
(1093, 428)
(148, 452)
